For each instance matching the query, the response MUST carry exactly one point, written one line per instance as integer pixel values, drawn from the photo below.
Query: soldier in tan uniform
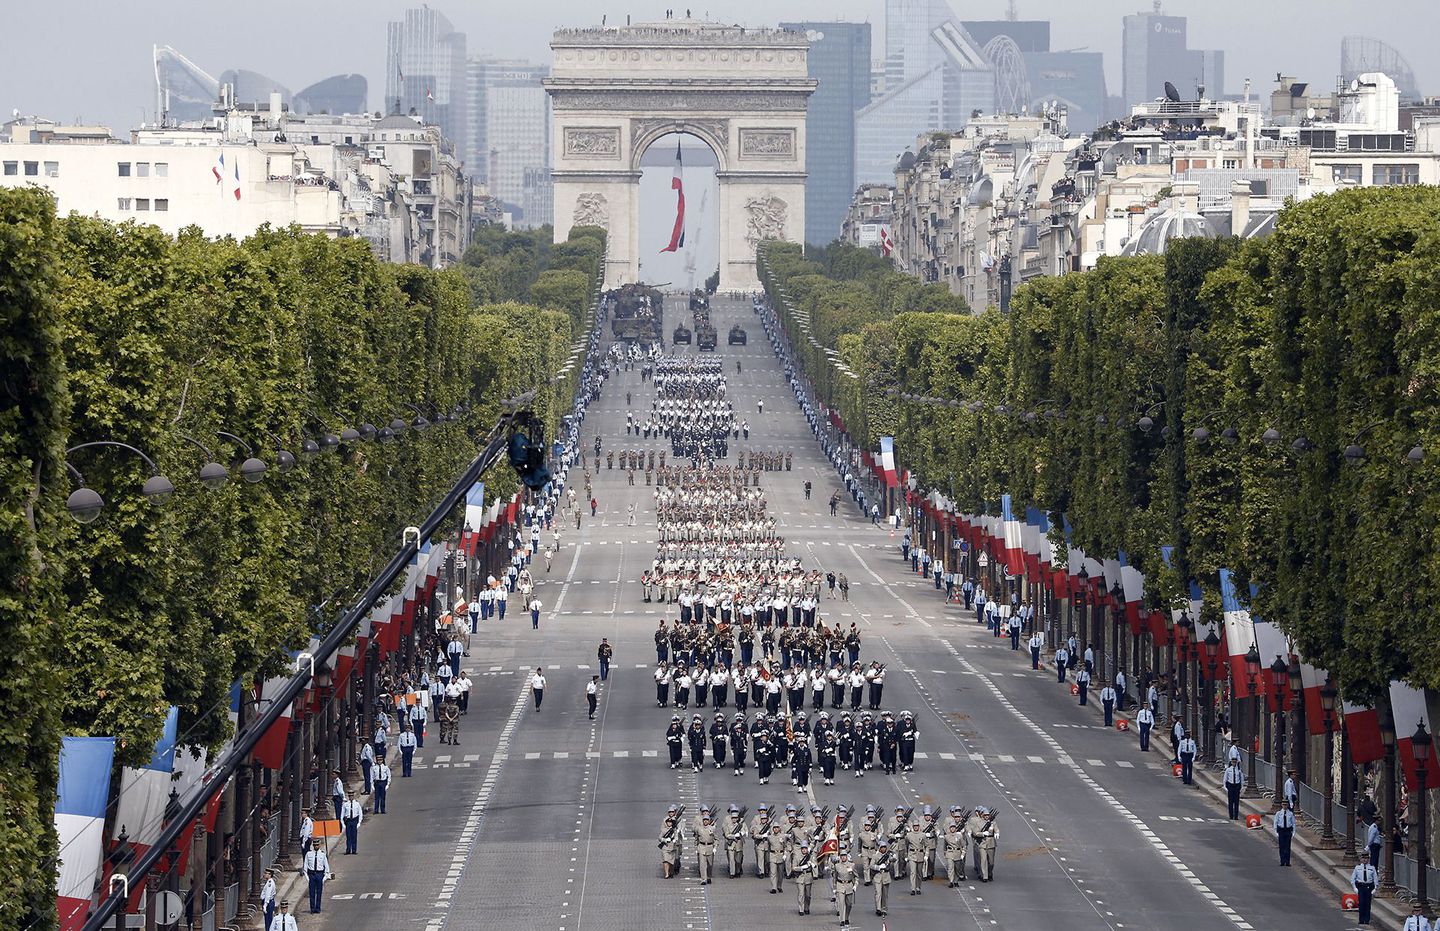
(915, 850)
(882, 877)
(845, 879)
(802, 867)
(705, 840)
(867, 847)
(670, 844)
(954, 845)
(733, 827)
(760, 834)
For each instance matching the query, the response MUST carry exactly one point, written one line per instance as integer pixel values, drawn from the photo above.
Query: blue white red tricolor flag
(82, 795)
(237, 180)
(218, 169)
(677, 235)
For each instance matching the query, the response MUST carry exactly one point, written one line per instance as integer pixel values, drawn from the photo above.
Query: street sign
(168, 908)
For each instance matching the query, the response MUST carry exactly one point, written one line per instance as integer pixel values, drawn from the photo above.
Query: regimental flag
(83, 792)
(677, 184)
(830, 848)
(218, 169)
(887, 243)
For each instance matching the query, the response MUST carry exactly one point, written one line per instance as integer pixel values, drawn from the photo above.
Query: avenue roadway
(548, 821)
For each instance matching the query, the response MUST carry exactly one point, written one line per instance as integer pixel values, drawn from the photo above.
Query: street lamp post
(1252, 673)
(1298, 730)
(1387, 737)
(1328, 694)
(1279, 682)
(1211, 645)
(1420, 745)
(1082, 601)
(1185, 643)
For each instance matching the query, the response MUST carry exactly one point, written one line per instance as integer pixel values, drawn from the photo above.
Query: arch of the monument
(615, 91)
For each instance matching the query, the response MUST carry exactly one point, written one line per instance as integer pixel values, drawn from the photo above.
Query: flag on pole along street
(1408, 707)
(83, 792)
(677, 184)
(237, 179)
(887, 242)
(145, 790)
(270, 751)
(1239, 635)
(218, 169)
(887, 459)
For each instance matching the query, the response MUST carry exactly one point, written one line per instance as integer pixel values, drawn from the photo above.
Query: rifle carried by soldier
(902, 825)
(670, 834)
(740, 830)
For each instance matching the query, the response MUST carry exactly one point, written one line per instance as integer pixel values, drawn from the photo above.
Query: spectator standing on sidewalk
(537, 687)
(592, 694)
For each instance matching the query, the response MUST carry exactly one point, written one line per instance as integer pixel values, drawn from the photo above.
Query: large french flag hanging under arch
(83, 792)
(677, 235)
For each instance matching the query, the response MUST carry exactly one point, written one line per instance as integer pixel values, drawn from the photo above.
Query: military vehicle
(637, 313)
(699, 301)
(705, 336)
(737, 336)
(681, 335)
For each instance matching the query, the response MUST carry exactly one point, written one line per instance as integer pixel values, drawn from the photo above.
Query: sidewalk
(291, 883)
(1329, 865)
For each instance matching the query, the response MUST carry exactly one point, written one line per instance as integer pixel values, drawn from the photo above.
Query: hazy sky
(91, 58)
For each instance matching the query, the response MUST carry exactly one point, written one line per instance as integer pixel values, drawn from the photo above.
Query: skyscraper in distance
(840, 61)
(425, 73)
(510, 135)
(1156, 50)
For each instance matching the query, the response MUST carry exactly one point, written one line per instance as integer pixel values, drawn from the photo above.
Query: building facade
(1012, 198)
(425, 72)
(391, 181)
(840, 65)
(510, 136)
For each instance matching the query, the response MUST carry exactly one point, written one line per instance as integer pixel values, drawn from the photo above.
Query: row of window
(52, 169)
(32, 169)
(1384, 175)
(142, 204)
(143, 169)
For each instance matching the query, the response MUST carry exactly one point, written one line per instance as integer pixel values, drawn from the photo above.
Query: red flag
(830, 847)
(677, 235)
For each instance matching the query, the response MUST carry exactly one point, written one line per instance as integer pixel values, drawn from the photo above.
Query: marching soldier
(845, 877)
(867, 843)
(764, 757)
(734, 830)
(760, 835)
(908, 732)
(895, 832)
(882, 877)
(719, 738)
(800, 763)
(449, 713)
(988, 840)
(675, 740)
(802, 866)
(670, 843)
(915, 854)
(931, 827)
(777, 843)
(662, 678)
(705, 846)
(954, 854)
(974, 825)
(737, 742)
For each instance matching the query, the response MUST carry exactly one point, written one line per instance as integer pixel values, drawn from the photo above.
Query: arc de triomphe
(616, 90)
